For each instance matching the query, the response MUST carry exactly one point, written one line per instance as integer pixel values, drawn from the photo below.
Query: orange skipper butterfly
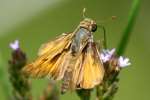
(71, 57)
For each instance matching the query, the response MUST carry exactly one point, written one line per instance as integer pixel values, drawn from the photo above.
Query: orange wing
(52, 59)
(56, 46)
(76, 72)
(89, 70)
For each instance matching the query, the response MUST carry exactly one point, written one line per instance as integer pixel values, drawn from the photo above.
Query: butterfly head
(89, 24)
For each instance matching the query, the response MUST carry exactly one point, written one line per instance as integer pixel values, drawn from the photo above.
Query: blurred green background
(34, 22)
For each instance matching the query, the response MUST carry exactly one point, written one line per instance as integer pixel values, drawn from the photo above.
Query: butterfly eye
(94, 27)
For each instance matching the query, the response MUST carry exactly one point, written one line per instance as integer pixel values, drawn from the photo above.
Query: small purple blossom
(14, 45)
(107, 54)
(123, 62)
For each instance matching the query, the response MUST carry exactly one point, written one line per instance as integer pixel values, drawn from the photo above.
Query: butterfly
(72, 57)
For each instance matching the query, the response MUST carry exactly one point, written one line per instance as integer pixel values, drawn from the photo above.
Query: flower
(14, 45)
(123, 62)
(107, 54)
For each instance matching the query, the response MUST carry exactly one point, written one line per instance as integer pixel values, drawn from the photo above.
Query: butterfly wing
(52, 57)
(76, 72)
(56, 46)
(91, 69)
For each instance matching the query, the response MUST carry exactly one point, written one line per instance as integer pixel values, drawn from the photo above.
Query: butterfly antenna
(107, 20)
(99, 24)
(83, 13)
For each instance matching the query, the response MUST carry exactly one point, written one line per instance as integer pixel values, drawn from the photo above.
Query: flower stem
(84, 94)
(51, 92)
(128, 29)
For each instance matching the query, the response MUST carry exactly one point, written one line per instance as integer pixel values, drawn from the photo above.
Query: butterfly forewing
(92, 72)
(56, 46)
(51, 56)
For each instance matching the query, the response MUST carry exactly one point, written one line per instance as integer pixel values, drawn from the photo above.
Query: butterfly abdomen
(66, 81)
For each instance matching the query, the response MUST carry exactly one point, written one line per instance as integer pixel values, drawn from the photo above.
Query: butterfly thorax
(79, 41)
(83, 33)
(89, 24)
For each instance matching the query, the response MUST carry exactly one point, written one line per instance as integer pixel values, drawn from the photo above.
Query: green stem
(128, 30)
(84, 94)
(99, 94)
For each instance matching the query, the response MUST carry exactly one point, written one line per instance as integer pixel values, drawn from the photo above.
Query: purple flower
(107, 54)
(14, 45)
(123, 62)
